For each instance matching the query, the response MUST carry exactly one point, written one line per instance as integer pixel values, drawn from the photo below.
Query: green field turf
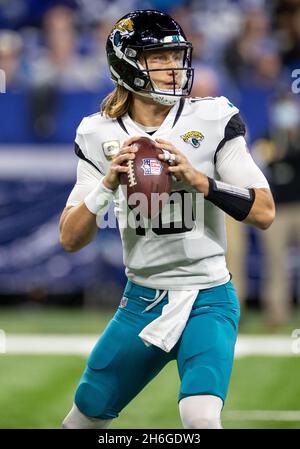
(53, 321)
(77, 321)
(36, 392)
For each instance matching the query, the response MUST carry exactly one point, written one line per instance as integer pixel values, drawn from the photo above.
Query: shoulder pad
(91, 123)
(212, 108)
(226, 108)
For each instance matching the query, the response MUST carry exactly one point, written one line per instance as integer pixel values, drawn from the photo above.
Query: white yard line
(265, 345)
(82, 344)
(49, 344)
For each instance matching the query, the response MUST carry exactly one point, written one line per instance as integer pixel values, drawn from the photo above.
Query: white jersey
(187, 256)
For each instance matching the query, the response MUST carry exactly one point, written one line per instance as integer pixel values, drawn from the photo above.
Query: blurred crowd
(244, 49)
(62, 42)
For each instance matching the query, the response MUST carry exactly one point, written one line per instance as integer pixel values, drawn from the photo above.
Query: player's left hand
(181, 167)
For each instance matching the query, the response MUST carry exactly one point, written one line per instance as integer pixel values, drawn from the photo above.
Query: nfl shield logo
(123, 302)
(152, 167)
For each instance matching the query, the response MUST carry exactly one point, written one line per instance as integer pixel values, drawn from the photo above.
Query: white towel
(166, 330)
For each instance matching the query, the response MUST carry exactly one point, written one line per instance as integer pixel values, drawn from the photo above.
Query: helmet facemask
(180, 75)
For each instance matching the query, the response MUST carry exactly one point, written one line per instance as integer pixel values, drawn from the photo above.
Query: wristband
(235, 201)
(99, 199)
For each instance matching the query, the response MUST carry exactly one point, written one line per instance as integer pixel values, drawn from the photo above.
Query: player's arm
(262, 212)
(77, 224)
(90, 198)
(250, 189)
(243, 191)
(77, 227)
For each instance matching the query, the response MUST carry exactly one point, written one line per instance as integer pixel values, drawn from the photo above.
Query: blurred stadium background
(53, 304)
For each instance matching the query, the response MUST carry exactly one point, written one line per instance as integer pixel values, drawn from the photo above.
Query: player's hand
(126, 152)
(181, 167)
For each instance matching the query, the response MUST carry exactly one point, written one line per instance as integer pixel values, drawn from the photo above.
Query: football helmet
(132, 38)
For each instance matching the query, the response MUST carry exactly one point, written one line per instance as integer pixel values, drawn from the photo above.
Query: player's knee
(201, 412)
(90, 399)
(77, 420)
(90, 403)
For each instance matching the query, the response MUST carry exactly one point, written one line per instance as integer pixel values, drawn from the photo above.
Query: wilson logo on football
(152, 167)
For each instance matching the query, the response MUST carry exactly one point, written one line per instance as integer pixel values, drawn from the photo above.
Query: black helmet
(138, 33)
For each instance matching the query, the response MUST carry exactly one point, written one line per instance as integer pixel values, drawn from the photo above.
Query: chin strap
(166, 100)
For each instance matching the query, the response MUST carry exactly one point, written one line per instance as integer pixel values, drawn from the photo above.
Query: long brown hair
(117, 103)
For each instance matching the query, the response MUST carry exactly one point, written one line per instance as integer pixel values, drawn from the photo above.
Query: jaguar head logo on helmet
(138, 36)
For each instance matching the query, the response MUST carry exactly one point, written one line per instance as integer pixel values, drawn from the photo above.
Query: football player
(179, 302)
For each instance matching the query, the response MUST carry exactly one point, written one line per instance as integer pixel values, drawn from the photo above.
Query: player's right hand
(127, 152)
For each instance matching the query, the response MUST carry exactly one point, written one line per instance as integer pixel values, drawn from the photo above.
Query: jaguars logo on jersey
(193, 137)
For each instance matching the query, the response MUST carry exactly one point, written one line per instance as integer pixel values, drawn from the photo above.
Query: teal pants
(121, 365)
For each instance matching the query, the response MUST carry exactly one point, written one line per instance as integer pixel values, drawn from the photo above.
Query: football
(147, 175)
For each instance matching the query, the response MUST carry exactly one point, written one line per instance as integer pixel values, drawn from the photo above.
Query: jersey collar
(131, 127)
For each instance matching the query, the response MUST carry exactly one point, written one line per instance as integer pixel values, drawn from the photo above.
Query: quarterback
(179, 302)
